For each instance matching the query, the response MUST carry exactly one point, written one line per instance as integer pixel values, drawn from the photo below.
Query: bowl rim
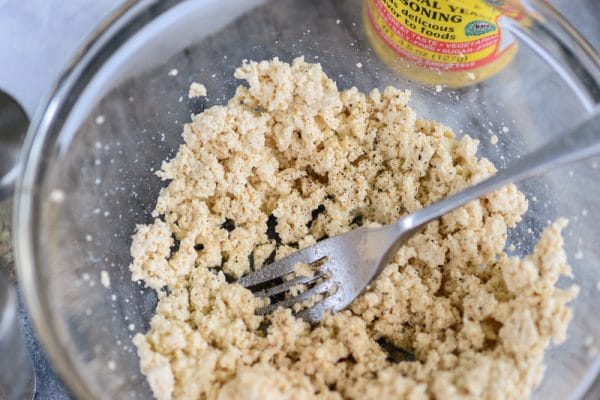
(111, 33)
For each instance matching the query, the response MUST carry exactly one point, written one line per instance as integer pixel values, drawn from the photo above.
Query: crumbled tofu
(292, 157)
(494, 139)
(100, 119)
(173, 72)
(303, 269)
(196, 90)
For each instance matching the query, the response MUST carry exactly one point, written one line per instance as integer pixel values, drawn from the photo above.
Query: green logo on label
(478, 27)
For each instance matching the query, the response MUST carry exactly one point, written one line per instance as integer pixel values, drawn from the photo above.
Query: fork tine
(334, 303)
(318, 289)
(279, 268)
(288, 284)
(314, 314)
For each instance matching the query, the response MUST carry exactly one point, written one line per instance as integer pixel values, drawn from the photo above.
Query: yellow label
(447, 35)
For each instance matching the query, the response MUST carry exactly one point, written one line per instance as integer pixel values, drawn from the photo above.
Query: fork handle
(578, 143)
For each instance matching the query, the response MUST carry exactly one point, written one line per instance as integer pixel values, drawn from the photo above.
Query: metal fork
(351, 261)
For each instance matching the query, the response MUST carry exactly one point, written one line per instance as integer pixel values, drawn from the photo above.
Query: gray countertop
(49, 32)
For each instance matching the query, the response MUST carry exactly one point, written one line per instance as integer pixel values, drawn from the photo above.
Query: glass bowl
(117, 113)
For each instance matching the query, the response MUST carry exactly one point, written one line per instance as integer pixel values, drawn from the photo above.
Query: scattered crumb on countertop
(104, 279)
(196, 90)
(57, 196)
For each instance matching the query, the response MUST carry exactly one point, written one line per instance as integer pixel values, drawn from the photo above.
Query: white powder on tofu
(292, 148)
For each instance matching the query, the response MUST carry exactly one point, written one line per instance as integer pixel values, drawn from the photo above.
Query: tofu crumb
(303, 269)
(317, 162)
(173, 72)
(505, 129)
(358, 65)
(494, 139)
(104, 279)
(57, 196)
(438, 88)
(196, 90)
(100, 119)
(471, 76)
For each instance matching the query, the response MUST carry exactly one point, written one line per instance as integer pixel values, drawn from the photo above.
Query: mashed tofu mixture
(291, 159)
